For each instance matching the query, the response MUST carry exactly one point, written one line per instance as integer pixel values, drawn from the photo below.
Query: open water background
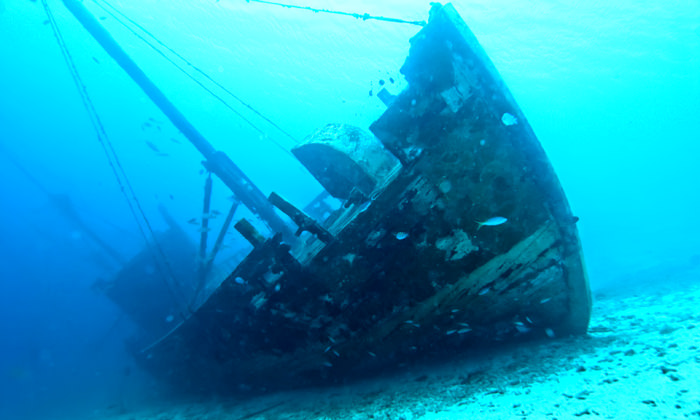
(611, 88)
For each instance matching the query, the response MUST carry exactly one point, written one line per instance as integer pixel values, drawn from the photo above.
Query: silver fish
(492, 221)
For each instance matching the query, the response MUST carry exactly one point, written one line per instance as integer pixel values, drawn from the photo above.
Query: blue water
(611, 88)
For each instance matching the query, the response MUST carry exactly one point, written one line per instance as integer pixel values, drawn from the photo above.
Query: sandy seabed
(640, 360)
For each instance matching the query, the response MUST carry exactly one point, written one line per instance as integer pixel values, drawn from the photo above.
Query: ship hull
(410, 270)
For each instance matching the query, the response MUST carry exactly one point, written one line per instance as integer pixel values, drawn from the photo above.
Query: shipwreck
(453, 233)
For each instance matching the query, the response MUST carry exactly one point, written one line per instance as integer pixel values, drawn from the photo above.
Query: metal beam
(217, 162)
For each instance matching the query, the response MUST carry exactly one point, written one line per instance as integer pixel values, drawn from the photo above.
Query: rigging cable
(117, 169)
(198, 70)
(363, 16)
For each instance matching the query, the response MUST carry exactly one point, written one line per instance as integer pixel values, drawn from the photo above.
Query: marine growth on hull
(453, 233)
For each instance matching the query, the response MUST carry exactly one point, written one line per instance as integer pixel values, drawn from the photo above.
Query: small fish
(174, 140)
(152, 146)
(493, 221)
(401, 235)
(193, 221)
(204, 230)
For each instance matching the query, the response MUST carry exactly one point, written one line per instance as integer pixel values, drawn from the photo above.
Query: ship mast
(216, 162)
